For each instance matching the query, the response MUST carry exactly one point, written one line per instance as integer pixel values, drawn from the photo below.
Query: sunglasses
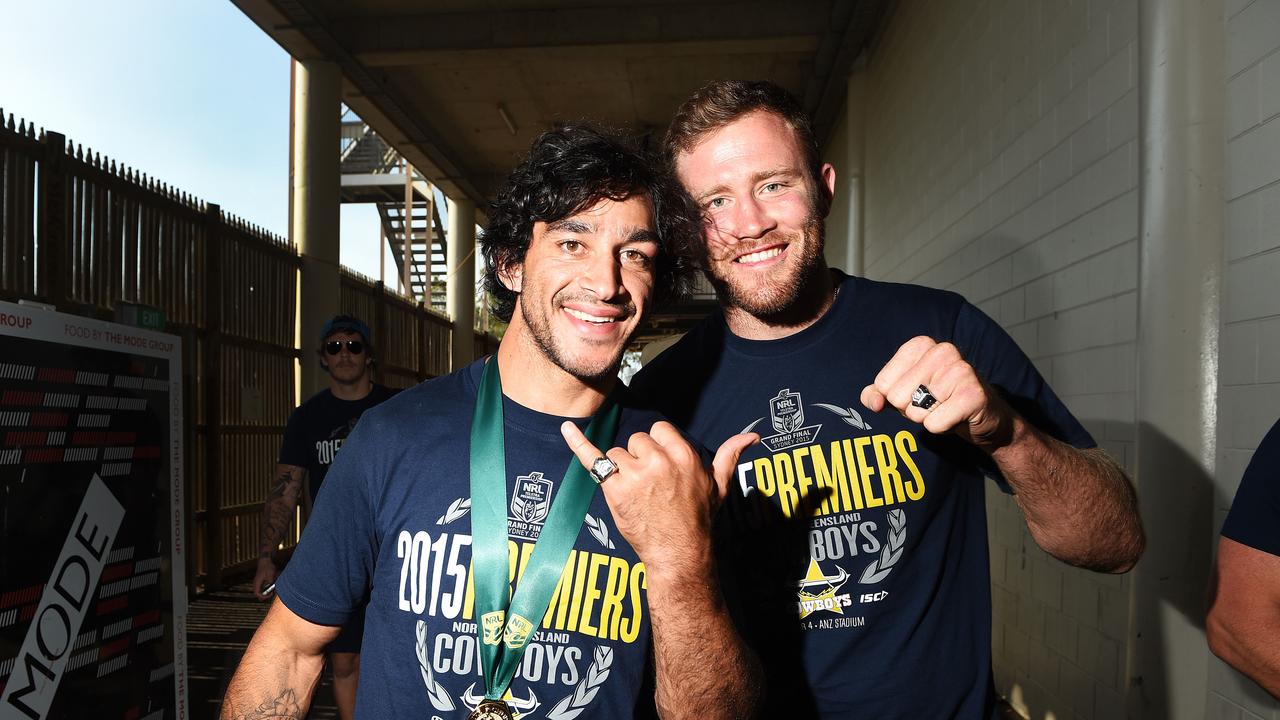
(355, 347)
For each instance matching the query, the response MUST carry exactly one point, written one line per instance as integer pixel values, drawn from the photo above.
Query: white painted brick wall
(1002, 162)
(1249, 358)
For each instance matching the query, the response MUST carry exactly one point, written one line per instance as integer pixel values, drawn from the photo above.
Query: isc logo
(873, 597)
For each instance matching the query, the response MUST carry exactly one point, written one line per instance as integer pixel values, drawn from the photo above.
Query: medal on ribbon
(508, 621)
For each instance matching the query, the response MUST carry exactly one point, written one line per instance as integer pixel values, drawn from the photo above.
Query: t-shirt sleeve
(293, 449)
(1001, 363)
(1254, 518)
(331, 569)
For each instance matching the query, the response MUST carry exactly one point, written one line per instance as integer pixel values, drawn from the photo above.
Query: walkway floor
(219, 626)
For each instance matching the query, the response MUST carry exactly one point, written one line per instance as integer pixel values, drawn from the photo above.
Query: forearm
(1244, 612)
(1251, 649)
(274, 680)
(1079, 505)
(278, 509)
(704, 669)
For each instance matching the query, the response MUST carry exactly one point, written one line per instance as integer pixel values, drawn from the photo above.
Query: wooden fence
(80, 232)
(411, 341)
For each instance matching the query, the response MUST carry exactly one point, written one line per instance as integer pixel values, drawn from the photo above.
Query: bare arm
(704, 669)
(277, 676)
(1079, 505)
(664, 503)
(277, 513)
(1244, 612)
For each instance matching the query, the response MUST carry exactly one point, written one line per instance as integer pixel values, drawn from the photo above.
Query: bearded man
(858, 524)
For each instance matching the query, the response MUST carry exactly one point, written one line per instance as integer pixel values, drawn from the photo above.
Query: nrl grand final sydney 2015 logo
(786, 413)
(530, 504)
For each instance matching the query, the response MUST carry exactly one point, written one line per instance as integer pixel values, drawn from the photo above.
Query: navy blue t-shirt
(393, 521)
(1254, 519)
(856, 540)
(318, 427)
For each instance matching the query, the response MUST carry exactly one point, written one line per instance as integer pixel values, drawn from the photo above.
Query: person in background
(1244, 607)
(312, 438)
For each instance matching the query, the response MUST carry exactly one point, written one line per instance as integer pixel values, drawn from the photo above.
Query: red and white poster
(93, 596)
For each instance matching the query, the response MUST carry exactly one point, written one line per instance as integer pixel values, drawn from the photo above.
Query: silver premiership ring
(923, 399)
(602, 469)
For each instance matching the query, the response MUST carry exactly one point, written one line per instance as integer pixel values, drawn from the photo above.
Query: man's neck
(350, 392)
(817, 295)
(531, 379)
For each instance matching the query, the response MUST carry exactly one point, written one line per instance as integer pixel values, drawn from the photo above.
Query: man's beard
(544, 338)
(778, 300)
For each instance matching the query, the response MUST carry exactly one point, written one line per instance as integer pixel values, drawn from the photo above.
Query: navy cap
(345, 323)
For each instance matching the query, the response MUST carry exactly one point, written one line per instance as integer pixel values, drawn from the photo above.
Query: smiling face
(585, 284)
(762, 230)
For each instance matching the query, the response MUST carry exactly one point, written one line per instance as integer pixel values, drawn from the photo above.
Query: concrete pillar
(844, 149)
(856, 100)
(1181, 257)
(315, 212)
(461, 291)
(856, 104)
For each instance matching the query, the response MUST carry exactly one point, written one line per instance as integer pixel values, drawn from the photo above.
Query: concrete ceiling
(431, 75)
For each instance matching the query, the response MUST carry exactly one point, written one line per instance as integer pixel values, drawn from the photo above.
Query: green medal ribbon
(504, 631)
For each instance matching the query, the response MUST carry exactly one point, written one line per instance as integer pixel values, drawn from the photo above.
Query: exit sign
(143, 316)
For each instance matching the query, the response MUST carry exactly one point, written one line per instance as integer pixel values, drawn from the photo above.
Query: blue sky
(190, 92)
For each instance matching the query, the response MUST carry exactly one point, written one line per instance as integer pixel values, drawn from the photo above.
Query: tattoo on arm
(278, 510)
(284, 706)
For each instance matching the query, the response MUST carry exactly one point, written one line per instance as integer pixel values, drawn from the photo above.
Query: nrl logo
(532, 499)
(493, 623)
(530, 504)
(786, 413)
(517, 633)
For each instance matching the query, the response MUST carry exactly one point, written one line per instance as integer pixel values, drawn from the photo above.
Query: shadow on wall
(1179, 504)
(1167, 591)
(1178, 500)
(1166, 594)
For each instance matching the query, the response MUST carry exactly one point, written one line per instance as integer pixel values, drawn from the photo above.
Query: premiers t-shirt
(394, 520)
(857, 540)
(1254, 519)
(319, 426)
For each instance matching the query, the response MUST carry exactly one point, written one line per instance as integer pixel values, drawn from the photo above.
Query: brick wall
(1001, 161)
(1249, 360)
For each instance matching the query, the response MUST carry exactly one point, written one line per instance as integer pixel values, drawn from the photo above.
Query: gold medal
(491, 710)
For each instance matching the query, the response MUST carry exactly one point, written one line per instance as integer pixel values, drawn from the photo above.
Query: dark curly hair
(569, 169)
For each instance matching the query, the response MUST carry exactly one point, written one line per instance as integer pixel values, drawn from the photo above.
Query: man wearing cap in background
(315, 432)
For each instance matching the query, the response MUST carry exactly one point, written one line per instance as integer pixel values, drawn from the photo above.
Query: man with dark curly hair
(500, 581)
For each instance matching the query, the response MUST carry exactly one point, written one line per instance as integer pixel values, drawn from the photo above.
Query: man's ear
(828, 188)
(511, 276)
